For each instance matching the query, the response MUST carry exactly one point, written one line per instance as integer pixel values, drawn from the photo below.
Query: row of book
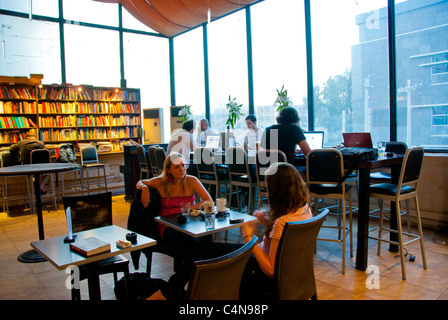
(57, 107)
(17, 107)
(84, 107)
(93, 94)
(58, 121)
(66, 93)
(11, 137)
(17, 93)
(97, 133)
(124, 95)
(133, 132)
(124, 108)
(125, 121)
(58, 135)
(101, 107)
(90, 120)
(14, 122)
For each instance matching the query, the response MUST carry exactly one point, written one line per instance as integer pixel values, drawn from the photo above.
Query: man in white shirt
(204, 131)
(253, 134)
(182, 140)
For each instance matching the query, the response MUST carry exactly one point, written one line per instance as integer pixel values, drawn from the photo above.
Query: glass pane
(40, 7)
(228, 70)
(146, 64)
(189, 72)
(129, 22)
(279, 58)
(30, 47)
(351, 71)
(92, 56)
(422, 73)
(91, 11)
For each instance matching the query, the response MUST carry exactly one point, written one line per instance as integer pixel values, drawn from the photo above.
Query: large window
(91, 11)
(279, 58)
(351, 69)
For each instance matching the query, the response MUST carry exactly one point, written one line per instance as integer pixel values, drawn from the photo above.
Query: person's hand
(262, 216)
(248, 229)
(145, 196)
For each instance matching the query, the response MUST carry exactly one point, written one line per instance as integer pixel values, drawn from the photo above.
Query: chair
(409, 175)
(90, 212)
(89, 161)
(7, 160)
(240, 175)
(160, 155)
(207, 170)
(263, 160)
(325, 172)
(220, 278)
(294, 263)
(69, 148)
(385, 177)
(152, 160)
(142, 160)
(43, 156)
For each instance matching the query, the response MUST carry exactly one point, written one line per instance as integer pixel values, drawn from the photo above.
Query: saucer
(227, 209)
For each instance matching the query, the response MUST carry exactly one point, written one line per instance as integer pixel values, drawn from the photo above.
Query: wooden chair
(89, 161)
(325, 172)
(220, 278)
(406, 188)
(90, 212)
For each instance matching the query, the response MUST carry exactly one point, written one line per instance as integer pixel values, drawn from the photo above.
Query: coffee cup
(209, 206)
(221, 204)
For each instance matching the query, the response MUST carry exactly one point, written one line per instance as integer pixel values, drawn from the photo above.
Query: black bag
(353, 156)
(140, 285)
(66, 154)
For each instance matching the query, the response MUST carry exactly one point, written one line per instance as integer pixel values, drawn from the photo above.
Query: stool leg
(400, 240)
(380, 228)
(105, 179)
(420, 233)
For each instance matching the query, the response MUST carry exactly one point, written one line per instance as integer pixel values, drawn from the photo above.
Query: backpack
(66, 154)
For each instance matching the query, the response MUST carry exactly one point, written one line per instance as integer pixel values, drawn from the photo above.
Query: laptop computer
(212, 142)
(315, 139)
(357, 139)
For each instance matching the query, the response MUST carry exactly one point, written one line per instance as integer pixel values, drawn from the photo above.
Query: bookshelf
(74, 114)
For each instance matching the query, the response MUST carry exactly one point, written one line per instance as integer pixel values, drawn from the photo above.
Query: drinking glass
(185, 208)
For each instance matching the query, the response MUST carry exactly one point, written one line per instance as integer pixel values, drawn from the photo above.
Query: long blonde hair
(167, 178)
(287, 192)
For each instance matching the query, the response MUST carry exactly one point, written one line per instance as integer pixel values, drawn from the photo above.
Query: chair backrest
(220, 278)
(294, 267)
(412, 165)
(205, 161)
(89, 155)
(324, 166)
(396, 147)
(152, 158)
(141, 156)
(264, 159)
(90, 211)
(40, 156)
(236, 160)
(8, 159)
(160, 156)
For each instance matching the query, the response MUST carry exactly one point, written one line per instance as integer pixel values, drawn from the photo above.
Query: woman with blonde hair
(289, 200)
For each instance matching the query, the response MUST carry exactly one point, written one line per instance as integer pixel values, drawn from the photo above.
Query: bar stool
(7, 161)
(89, 160)
(43, 156)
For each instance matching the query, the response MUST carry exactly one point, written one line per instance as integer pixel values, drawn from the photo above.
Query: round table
(36, 170)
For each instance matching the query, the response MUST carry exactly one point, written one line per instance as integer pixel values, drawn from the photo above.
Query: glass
(381, 148)
(422, 73)
(209, 218)
(185, 208)
(91, 11)
(350, 68)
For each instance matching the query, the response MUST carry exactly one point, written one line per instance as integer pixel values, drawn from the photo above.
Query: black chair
(220, 278)
(406, 188)
(325, 177)
(43, 156)
(152, 160)
(208, 172)
(160, 155)
(263, 160)
(90, 212)
(7, 160)
(240, 175)
(142, 160)
(89, 161)
(294, 263)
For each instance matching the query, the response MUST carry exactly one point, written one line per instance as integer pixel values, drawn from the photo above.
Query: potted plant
(234, 112)
(184, 114)
(282, 100)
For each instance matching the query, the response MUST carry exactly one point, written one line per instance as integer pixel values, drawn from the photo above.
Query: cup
(381, 148)
(209, 219)
(209, 207)
(221, 204)
(185, 208)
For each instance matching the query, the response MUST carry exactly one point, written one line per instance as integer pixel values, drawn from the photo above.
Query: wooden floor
(41, 281)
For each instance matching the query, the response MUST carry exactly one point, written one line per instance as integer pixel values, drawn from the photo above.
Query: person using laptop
(286, 135)
(253, 134)
(182, 140)
(204, 131)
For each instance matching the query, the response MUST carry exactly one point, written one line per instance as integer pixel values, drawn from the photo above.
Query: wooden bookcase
(70, 114)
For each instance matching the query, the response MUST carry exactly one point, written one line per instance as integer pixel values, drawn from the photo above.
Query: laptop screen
(212, 142)
(315, 139)
(357, 139)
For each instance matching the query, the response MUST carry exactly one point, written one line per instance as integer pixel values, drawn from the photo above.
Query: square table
(59, 254)
(195, 226)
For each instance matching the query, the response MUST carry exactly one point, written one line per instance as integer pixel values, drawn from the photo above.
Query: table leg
(94, 281)
(363, 219)
(395, 174)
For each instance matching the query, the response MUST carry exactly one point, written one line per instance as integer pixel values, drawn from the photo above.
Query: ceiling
(172, 17)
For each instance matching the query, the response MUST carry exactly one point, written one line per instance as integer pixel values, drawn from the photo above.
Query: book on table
(90, 246)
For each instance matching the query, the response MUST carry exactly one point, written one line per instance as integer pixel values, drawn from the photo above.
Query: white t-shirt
(202, 137)
(251, 137)
(180, 142)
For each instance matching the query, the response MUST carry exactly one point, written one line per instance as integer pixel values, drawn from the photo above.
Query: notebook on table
(357, 139)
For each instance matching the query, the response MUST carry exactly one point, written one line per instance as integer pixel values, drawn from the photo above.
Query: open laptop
(357, 139)
(212, 142)
(315, 140)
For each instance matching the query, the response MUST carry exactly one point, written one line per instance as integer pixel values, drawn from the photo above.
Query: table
(59, 254)
(36, 170)
(364, 169)
(195, 227)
